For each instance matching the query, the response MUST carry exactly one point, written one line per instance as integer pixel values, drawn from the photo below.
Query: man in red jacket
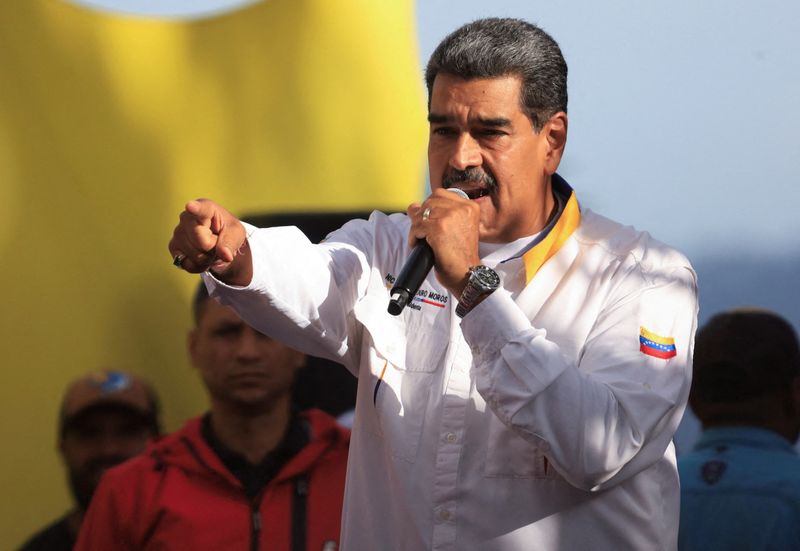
(250, 474)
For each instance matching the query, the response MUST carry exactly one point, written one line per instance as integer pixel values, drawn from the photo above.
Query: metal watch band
(482, 281)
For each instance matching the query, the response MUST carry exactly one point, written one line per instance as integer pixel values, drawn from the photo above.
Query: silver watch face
(486, 278)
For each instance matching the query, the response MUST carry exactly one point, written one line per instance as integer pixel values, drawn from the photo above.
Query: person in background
(740, 485)
(106, 418)
(528, 394)
(252, 473)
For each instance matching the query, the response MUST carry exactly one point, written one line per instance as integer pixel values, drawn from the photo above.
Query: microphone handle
(414, 271)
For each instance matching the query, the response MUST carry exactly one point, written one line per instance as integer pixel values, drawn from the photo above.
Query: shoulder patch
(656, 345)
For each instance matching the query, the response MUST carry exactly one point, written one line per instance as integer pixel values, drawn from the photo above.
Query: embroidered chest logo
(712, 471)
(656, 345)
(424, 297)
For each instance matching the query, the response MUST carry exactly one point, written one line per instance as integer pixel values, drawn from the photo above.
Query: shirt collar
(254, 477)
(549, 241)
(745, 436)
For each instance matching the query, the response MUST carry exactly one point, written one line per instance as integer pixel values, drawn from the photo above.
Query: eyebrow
(496, 122)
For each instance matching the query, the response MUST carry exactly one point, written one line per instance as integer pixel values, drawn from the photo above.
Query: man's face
(240, 366)
(99, 439)
(482, 142)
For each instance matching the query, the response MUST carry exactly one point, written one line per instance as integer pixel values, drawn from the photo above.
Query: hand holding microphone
(444, 232)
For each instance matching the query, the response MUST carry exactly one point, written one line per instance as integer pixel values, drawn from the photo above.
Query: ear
(555, 134)
(795, 390)
(191, 345)
(298, 360)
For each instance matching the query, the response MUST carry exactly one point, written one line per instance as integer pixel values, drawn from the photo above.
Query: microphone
(414, 271)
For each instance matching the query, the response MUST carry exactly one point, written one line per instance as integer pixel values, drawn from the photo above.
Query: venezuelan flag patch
(656, 345)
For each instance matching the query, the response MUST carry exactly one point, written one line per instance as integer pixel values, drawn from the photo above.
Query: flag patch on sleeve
(656, 345)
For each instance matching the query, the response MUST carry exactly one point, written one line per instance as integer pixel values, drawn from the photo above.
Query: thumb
(231, 238)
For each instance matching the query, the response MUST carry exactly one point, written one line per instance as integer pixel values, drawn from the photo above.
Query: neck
(74, 520)
(253, 435)
(789, 432)
(545, 212)
(775, 411)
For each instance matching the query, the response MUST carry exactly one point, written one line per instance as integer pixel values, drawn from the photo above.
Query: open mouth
(475, 182)
(474, 192)
(477, 193)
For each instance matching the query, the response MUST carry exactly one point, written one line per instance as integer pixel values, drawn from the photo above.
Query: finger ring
(178, 261)
(426, 213)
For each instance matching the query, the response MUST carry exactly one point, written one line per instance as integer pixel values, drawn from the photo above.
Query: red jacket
(179, 496)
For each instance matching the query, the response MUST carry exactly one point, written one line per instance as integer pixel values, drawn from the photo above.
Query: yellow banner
(109, 123)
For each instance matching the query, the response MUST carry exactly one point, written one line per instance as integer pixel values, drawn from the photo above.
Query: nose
(467, 153)
(113, 445)
(249, 348)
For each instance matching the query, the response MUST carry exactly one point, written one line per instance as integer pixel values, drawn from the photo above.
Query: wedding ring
(426, 213)
(178, 261)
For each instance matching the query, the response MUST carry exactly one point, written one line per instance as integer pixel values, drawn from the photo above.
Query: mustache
(473, 175)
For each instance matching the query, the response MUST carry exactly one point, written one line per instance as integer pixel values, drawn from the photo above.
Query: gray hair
(493, 48)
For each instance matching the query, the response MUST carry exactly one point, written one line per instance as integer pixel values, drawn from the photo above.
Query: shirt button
(451, 437)
(445, 515)
(475, 349)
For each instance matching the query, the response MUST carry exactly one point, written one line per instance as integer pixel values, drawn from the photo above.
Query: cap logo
(656, 345)
(112, 381)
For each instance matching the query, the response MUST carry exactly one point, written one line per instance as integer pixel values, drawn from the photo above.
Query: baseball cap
(743, 354)
(112, 389)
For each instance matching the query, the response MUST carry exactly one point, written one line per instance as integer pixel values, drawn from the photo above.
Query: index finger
(202, 210)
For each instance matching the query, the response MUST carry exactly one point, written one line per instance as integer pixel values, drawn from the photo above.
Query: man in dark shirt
(252, 473)
(107, 417)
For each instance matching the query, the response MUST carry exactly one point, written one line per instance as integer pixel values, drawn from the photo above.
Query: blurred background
(114, 113)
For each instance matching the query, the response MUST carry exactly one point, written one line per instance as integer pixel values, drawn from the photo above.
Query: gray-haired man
(537, 413)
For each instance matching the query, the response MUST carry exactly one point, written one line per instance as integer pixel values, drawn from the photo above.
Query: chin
(258, 402)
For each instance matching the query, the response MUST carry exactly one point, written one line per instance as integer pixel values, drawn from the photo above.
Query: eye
(227, 331)
(86, 433)
(490, 132)
(444, 131)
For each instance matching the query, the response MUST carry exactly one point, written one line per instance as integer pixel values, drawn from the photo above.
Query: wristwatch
(483, 281)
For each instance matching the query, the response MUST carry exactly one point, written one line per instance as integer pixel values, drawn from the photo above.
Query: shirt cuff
(493, 323)
(212, 282)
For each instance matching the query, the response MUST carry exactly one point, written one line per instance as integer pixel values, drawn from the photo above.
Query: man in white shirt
(537, 413)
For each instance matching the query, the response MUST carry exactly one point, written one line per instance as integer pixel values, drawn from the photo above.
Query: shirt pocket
(411, 342)
(400, 382)
(508, 455)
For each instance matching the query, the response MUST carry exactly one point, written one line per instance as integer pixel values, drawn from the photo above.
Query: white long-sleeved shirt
(536, 422)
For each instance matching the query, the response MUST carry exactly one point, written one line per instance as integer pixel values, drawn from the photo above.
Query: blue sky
(683, 117)
(683, 114)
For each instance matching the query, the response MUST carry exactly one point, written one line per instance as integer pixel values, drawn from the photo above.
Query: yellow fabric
(569, 220)
(110, 123)
(649, 335)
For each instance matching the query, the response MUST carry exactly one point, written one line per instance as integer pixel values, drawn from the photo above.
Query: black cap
(744, 354)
